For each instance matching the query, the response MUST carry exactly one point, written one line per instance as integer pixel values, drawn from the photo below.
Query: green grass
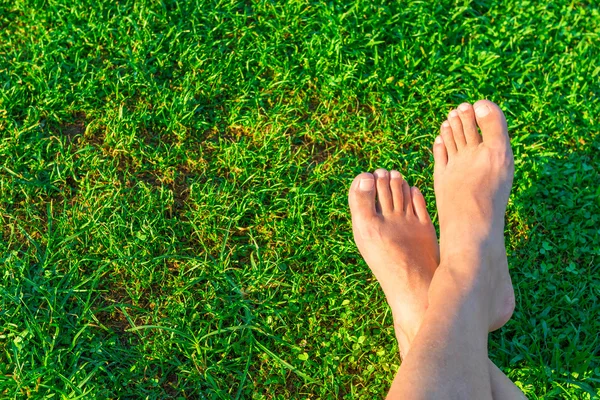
(173, 181)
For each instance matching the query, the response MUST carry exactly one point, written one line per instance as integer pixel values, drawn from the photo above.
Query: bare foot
(402, 245)
(472, 178)
(395, 236)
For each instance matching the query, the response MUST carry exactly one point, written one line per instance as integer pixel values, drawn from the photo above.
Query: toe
(457, 129)
(362, 196)
(407, 205)
(467, 118)
(418, 202)
(384, 193)
(492, 123)
(447, 135)
(396, 187)
(440, 155)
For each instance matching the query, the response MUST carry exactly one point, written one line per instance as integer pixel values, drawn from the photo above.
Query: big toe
(492, 123)
(361, 197)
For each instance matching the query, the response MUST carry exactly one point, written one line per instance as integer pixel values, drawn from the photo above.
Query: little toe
(447, 135)
(418, 202)
(396, 187)
(457, 129)
(407, 205)
(467, 118)
(492, 123)
(384, 193)
(362, 196)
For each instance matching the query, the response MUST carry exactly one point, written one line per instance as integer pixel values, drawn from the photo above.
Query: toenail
(366, 184)
(446, 124)
(464, 107)
(396, 175)
(482, 110)
(439, 140)
(453, 114)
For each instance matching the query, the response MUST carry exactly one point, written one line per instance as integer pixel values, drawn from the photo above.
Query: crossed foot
(394, 234)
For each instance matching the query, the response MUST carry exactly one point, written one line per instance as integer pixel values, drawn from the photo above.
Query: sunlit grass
(173, 180)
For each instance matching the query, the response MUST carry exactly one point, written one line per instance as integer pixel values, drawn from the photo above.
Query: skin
(386, 235)
(394, 234)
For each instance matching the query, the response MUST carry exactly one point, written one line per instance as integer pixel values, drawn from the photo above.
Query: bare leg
(502, 387)
(471, 291)
(448, 357)
(388, 238)
(387, 235)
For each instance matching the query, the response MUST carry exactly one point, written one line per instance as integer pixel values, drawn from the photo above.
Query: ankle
(470, 253)
(474, 230)
(458, 291)
(460, 313)
(454, 279)
(403, 341)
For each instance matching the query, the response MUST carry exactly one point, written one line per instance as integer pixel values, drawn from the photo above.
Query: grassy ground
(173, 181)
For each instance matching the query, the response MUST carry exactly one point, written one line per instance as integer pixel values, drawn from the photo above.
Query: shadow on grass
(552, 241)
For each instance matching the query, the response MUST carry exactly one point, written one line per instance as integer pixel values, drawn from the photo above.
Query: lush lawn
(173, 181)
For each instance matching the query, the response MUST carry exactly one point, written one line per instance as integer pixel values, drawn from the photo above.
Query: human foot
(387, 235)
(395, 236)
(472, 179)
